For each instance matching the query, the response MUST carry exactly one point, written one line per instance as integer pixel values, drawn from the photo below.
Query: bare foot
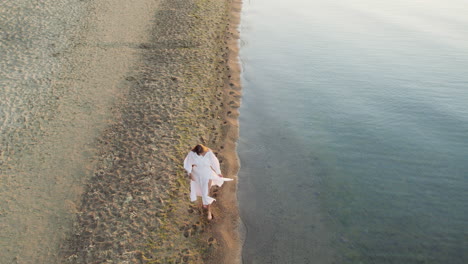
(210, 216)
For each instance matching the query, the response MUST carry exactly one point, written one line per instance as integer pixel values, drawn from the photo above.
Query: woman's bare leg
(210, 216)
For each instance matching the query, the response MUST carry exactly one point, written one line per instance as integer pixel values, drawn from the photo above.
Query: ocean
(353, 131)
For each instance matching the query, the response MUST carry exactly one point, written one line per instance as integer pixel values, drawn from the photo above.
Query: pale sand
(185, 90)
(149, 79)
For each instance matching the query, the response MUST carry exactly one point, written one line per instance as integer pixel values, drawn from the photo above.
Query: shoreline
(229, 230)
(183, 90)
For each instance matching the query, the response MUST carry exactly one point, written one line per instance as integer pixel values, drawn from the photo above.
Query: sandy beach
(91, 164)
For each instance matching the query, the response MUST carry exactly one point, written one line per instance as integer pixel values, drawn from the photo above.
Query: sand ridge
(184, 90)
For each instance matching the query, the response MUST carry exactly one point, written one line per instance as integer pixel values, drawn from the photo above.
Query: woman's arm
(214, 163)
(189, 164)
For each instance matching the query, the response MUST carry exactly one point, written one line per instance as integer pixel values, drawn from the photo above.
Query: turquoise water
(354, 131)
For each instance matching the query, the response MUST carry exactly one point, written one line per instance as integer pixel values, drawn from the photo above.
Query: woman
(203, 168)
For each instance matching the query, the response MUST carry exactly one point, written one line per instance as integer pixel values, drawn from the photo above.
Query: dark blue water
(354, 131)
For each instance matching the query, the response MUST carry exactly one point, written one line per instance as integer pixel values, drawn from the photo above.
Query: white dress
(203, 169)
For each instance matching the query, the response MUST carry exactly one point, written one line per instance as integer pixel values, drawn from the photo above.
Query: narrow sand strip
(184, 90)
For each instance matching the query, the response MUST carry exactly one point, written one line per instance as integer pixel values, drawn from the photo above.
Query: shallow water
(38, 179)
(353, 131)
(63, 65)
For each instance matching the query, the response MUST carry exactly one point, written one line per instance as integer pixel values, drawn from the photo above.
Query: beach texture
(94, 173)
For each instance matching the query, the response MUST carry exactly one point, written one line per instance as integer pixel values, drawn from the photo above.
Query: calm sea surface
(354, 131)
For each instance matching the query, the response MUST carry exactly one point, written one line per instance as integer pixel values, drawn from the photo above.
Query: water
(354, 125)
(37, 178)
(63, 65)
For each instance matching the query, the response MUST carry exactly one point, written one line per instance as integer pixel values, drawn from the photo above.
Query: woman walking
(203, 168)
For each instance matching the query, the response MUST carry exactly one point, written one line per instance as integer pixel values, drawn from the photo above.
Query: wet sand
(95, 175)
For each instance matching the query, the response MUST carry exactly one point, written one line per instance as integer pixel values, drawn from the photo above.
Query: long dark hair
(199, 149)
